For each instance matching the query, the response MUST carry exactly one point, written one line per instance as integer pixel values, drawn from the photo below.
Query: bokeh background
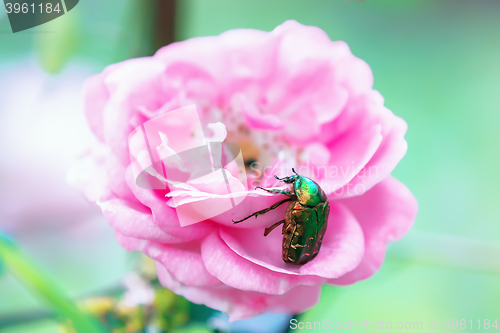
(436, 62)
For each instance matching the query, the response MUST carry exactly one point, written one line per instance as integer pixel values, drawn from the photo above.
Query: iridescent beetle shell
(305, 220)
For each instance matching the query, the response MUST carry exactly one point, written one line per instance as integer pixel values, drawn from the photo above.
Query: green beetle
(305, 220)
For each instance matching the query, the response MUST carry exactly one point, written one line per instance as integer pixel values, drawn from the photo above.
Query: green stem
(26, 271)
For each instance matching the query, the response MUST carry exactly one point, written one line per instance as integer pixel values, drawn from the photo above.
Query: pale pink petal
(357, 136)
(187, 79)
(134, 220)
(125, 98)
(183, 262)
(164, 217)
(130, 243)
(240, 304)
(354, 73)
(383, 162)
(258, 120)
(253, 201)
(96, 96)
(341, 251)
(391, 147)
(316, 154)
(237, 272)
(386, 213)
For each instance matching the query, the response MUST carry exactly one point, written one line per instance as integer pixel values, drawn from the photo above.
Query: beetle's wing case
(299, 245)
(289, 228)
(324, 213)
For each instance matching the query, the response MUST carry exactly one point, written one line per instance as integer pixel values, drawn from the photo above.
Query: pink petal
(237, 272)
(163, 216)
(341, 251)
(254, 201)
(354, 73)
(183, 262)
(134, 220)
(96, 96)
(383, 162)
(130, 243)
(268, 179)
(187, 78)
(126, 96)
(244, 53)
(264, 121)
(316, 154)
(239, 304)
(386, 213)
(357, 138)
(391, 146)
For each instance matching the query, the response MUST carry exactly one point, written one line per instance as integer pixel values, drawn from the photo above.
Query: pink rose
(288, 98)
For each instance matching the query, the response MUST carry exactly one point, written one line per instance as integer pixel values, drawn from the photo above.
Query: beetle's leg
(271, 228)
(288, 193)
(260, 212)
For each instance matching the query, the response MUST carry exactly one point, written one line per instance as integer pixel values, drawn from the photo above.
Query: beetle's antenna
(277, 177)
(295, 172)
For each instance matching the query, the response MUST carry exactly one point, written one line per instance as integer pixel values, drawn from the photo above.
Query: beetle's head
(289, 179)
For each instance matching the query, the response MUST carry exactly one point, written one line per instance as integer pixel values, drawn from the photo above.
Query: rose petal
(253, 201)
(239, 304)
(134, 220)
(391, 151)
(125, 96)
(258, 120)
(376, 164)
(341, 251)
(237, 272)
(183, 262)
(357, 139)
(164, 217)
(96, 96)
(386, 213)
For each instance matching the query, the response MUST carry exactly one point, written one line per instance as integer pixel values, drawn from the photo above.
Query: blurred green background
(436, 62)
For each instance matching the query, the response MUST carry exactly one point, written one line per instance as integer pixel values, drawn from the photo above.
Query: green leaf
(26, 271)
